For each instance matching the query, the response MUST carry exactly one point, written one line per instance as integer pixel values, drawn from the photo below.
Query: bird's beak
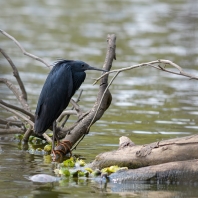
(94, 68)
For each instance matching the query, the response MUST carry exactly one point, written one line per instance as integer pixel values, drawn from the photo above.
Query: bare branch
(27, 134)
(16, 93)
(76, 106)
(102, 99)
(17, 114)
(64, 113)
(48, 139)
(153, 64)
(7, 123)
(18, 109)
(181, 72)
(16, 74)
(11, 131)
(22, 49)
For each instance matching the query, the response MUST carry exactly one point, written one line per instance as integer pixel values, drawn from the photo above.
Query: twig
(18, 109)
(49, 140)
(22, 49)
(76, 106)
(152, 64)
(181, 72)
(16, 93)
(102, 99)
(27, 134)
(9, 122)
(64, 113)
(17, 114)
(16, 74)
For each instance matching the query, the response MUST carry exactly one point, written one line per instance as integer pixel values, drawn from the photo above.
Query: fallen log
(136, 156)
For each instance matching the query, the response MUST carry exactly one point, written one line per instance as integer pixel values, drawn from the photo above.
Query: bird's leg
(54, 134)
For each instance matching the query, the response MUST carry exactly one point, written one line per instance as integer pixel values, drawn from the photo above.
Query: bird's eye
(83, 65)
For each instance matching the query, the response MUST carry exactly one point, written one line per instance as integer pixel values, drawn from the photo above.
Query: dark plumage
(62, 82)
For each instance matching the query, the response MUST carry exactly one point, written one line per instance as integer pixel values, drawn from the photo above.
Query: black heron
(61, 84)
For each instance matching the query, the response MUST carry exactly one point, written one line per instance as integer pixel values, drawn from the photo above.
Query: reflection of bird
(62, 82)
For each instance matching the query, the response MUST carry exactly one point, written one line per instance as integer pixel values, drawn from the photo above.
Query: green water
(147, 105)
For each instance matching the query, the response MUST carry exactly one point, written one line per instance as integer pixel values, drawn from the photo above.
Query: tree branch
(22, 49)
(66, 112)
(17, 114)
(16, 93)
(16, 74)
(7, 123)
(153, 64)
(11, 131)
(18, 109)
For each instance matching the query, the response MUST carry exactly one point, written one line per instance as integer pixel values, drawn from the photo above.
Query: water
(148, 105)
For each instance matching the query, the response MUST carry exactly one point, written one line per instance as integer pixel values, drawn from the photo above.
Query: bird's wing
(55, 96)
(78, 79)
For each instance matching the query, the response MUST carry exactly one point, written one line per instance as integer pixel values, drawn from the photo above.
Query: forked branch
(158, 64)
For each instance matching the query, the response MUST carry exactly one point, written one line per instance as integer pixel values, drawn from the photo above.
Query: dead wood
(172, 172)
(136, 156)
(11, 131)
(85, 122)
(22, 49)
(16, 92)
(15, 74)
(28, 113)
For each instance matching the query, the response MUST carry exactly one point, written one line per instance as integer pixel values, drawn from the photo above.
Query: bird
(61, 84)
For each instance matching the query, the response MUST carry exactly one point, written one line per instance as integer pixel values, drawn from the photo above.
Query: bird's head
(80, 66)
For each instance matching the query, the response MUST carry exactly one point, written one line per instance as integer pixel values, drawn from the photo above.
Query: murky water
(148, 105)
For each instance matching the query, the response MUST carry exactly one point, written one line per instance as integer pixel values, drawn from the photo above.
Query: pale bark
(136, 156)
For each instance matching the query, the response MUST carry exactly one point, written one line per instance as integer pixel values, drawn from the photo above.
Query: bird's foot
(62, 149)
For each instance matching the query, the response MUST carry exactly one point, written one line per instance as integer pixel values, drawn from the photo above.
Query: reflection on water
(147, 105)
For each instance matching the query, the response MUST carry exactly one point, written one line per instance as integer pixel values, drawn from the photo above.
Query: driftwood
(169, 161)
(136, 156)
